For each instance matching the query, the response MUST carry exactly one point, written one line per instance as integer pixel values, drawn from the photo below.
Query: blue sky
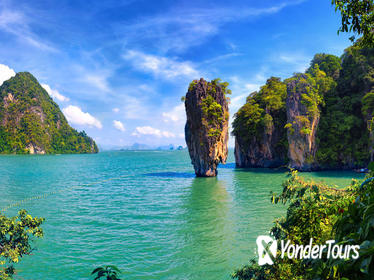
(118, 69)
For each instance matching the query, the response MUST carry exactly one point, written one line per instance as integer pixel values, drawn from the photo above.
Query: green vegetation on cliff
(31, 122)
(338, 93)
(343, 137)
(263, 111)
(313, 85)
(213, 114)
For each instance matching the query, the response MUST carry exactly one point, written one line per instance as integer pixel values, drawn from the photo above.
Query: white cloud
(5, 73)
(252, 87)
(299, 61)
(176, 115)
(75, 115)
(148, 130)
(136, 108)
(98, 81)
(115, 110)
(240, 90)
(18, 25)
(181, 28)
(119, 125)
(219, 58)
(10, 17)
(161, 66)
(54, 93)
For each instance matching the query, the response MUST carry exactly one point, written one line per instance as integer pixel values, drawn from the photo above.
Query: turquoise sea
(143, 211)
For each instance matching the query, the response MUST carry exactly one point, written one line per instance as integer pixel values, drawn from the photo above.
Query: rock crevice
(303, 126)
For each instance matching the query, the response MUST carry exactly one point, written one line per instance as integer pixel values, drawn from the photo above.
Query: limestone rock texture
(322, 119)
(303, 125)
(260, 152)
(206, 130)
(258, 127)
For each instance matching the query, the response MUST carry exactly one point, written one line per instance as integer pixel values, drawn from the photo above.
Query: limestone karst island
(187, 140)
(320, 119)
(206, 129)
(31, 122)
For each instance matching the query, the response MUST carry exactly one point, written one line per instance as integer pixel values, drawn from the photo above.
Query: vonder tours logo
(267, 249)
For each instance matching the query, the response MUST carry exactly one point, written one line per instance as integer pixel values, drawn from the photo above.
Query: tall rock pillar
(206, 129)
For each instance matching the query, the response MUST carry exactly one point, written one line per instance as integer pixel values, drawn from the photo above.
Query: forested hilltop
(320, 119)
(31, 122)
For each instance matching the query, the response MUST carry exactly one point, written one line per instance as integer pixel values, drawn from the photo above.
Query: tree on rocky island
(206, 130)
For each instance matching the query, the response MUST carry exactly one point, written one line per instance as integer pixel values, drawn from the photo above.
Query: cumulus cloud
(75, 115)
(119, 125)
(176, 115)
(161, 66)
(115, 110)
(5, 73)
(54, 93)
(148, 130)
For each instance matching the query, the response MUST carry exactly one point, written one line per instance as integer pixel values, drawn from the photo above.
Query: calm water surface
(143, 211)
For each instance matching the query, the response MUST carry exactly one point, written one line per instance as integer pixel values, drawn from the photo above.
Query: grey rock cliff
(206, 129)
(302, 132)
(260, 152)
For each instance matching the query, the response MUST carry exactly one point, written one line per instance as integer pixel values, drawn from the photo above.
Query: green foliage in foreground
(358, 17)
(16, 235)
(108, 272)
(29, 117)
(323, 213)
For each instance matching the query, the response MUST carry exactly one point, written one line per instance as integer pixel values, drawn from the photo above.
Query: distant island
(144, 147)
(32, 123)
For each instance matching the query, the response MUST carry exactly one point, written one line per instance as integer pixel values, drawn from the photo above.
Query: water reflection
(171, 174)
(207, 232)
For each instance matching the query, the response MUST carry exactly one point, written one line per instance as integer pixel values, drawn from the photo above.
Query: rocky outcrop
(263, 152)
(302, 121)
(32, 123)
(326, 114)
(277, 126)
(206, 129)
(33, 149)
(260, 137)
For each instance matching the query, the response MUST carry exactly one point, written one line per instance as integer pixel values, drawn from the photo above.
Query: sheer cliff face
(327, 116)
(278, 124)
(303, 123)
(206, 129)
(263, 152)
(260, 137)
